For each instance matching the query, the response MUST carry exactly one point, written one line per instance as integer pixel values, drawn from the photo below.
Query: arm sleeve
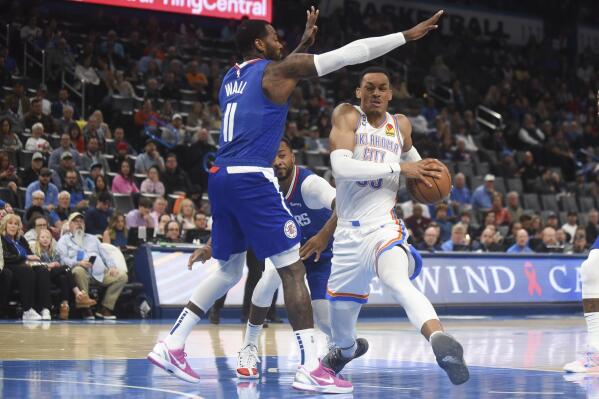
(317, 192)
(411, 156)
(347, 168)
(357, 52)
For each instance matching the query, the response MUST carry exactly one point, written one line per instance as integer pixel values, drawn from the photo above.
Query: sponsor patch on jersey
(290, 229)
(389, 130)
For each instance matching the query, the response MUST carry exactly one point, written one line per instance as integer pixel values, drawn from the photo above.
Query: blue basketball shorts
(248, 211)
(317, 274)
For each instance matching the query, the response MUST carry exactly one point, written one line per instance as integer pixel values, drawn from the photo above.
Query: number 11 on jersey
(229, 122)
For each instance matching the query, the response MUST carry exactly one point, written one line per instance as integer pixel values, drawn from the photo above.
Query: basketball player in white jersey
(367, 145)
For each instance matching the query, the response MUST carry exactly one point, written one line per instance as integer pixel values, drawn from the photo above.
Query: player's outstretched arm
(280, 78)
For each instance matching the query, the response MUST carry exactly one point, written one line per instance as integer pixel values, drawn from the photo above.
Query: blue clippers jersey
(596, 244)
(252, 125)
(310, 220)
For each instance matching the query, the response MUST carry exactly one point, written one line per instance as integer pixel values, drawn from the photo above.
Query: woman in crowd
(45, 249)
(186, 214)
(152, 184)
(8, 139)
(77, 138)
(32, 279)
(9, 177)
(124, 182)
(160, 230)
(116, 233)
(37, 142)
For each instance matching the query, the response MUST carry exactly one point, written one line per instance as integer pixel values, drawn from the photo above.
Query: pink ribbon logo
(531, 274)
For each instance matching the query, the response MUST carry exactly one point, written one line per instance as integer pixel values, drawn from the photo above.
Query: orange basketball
(424, 194)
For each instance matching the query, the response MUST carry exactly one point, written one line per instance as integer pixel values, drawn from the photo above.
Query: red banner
(229, 9)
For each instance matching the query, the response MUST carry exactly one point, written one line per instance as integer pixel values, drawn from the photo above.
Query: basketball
(424, 194)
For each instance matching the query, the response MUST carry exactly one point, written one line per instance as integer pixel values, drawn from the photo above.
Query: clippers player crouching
(311, 200)
(367, 146)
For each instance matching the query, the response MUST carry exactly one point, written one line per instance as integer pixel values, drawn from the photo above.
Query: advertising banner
(229, 9)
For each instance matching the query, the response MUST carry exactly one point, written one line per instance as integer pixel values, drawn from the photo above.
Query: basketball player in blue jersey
(370, 149)
(589, 276)
(311, 200)
(247, 207)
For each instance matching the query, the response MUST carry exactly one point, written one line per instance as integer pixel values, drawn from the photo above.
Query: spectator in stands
(552, 220)
(513, 205)
(19, 100)
(592, 227)
(549, 242)
(65, 146)
(158, 209)
(146, 114)
(458, 241)
(466, 220)
(96, 127)
(76, 249)
(40, 95)
(197, 160)
(66, 121)
(170, 87)
(442, 219)
(62, 211)
(36, 224)
(116, 233)
(96, 218)
(122, 154)
(489, 241)
(550, 182)
(31, 31)
(521, 245)
(124, 182)
(33, 282)
(8, 175)
(77, 138)
(112, 148)
(150, 157)
(502, 216)
(175, 179)
(200, 231)
(460, 194)
(123, 87)
(510, 238)
(60, 275)
(482, 197)
(95, 170)
(460, 153)
(430, 242)
(186, 214)
(417, 223)
(93, 155)
(196, 80)
(59, 106)
(528, 170)
(571, 226)
(160, 230)
(580, 245)
(141, 217)
(172, 232)
(530, 135)
(8, 139)
(66, 164)
(562, 240)
(35, 116)
(49, 189)
(73, 186)
(32, 172)
(152, 184)
(36, 142)
(100, 185)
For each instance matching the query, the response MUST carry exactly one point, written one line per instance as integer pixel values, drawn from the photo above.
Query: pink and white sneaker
(588, 363)
(174, 361)
(321, 380)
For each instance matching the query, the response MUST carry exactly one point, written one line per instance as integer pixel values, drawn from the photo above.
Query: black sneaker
(450, 357)
(335, 361)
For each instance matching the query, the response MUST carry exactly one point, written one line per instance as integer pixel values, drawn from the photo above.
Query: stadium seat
(25, 158)
(586, 203)
(568, 203)
(515, 184)
(482, 168)
(5, 194)
(475, 181)
(549, 202)
(189, 95)
(500, 185)
(123, 203)
(531, 201)
(123, 104)
(583, 219)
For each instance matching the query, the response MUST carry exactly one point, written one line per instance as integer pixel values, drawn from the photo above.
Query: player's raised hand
(309, 35)
(314, 246)
(423, 27)
(428, 167)
(201, 255)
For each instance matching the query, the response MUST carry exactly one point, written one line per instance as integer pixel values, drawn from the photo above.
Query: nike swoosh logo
(328, 380)
(181, 365)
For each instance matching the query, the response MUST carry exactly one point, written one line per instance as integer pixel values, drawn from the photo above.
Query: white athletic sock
(252, 334)
(592, 320)
(181, 329)
(307, 348)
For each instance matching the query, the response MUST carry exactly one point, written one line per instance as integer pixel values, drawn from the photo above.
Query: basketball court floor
(508, 358)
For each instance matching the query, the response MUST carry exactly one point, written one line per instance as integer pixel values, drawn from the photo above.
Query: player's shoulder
(345, 111)
(403, 123)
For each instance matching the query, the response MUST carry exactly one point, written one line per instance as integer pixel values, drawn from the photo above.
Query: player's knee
(589, 275)
(265, 289)
(232, 269)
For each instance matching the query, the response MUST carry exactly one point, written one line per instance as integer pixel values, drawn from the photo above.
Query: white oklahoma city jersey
(374, 199)
(367, 225)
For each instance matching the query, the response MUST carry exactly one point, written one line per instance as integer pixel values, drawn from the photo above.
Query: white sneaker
(31, 315)
(46, 314)
(588, 363)
(247, 359)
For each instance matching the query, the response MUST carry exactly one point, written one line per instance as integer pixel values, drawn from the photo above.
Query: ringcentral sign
(229, 9)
